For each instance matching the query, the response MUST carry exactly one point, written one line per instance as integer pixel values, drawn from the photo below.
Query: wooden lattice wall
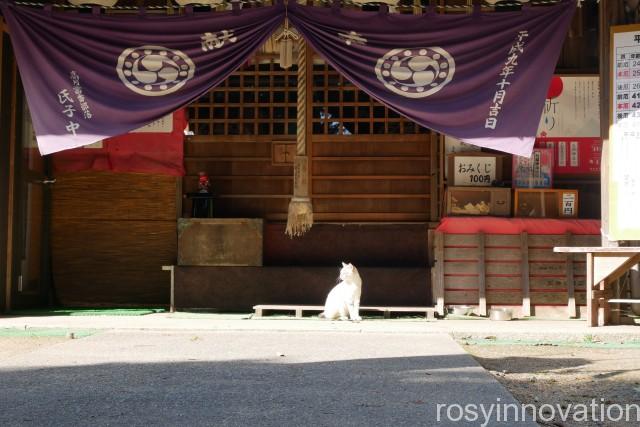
(367, 162)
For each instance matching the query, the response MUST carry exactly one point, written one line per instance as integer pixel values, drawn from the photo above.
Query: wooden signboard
(624, 157)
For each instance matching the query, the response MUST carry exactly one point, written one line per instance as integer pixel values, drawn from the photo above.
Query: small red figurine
(204, 186)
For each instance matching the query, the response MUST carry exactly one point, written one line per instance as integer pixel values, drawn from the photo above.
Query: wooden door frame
(4, 168)
(12, 177)
(8, 115)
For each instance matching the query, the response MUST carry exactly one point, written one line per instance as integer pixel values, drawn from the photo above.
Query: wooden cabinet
(478, 201)
(546, 203)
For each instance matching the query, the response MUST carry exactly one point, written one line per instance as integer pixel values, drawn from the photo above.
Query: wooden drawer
(546, 203)
(478, 201)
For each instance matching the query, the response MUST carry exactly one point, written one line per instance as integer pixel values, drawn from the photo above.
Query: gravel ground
(15, 346)
(567, 376)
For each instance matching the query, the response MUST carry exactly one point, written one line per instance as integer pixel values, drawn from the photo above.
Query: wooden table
(605, 265)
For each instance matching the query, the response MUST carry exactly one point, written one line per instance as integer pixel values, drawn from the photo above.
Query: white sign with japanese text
(474, 171)
(162, 125)
(568, 204)
(624, 138)
(574, 109)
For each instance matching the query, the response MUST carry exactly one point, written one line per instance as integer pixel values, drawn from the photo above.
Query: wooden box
(510, 270)
(474, 168)
(220, 241)
(478, 201)
(546, 203)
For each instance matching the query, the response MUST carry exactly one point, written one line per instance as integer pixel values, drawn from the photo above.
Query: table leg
(592, 303)
(604, 308)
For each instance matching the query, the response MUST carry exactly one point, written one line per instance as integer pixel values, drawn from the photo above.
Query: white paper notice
(162, 125)
(624, 158)
(575, 112)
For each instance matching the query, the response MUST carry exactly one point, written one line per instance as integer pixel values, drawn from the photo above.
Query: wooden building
(376, 179)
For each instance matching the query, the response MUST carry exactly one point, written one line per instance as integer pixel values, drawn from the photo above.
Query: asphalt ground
(242, 377)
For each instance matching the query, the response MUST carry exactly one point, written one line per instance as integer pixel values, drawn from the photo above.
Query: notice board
(624, 135)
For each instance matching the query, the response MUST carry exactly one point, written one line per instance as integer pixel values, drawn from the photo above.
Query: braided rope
(301, 143)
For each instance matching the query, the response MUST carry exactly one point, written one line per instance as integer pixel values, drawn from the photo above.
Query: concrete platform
(526, 329)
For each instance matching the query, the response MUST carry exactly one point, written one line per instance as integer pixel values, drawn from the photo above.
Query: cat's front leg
(357, 310)
(354, 311)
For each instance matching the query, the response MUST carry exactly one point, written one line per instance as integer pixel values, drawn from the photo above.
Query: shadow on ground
(278, 391)
(524, 365)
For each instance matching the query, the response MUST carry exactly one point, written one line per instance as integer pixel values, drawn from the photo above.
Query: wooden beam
(614, 250)
(482, 276)
(524, 271)
(610, 267)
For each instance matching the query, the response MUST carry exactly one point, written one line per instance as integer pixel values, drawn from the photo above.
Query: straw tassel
(300, 216)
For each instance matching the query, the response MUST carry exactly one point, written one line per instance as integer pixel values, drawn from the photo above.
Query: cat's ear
(344, 265)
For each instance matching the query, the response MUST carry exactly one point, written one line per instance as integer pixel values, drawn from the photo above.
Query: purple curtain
(479, 77)
(89, 77)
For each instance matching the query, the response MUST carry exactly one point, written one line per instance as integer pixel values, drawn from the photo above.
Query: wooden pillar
(172, 288)
(610, 12)
(433, 181)
(438, 276)
(482, 276)
(11, 185)
(614, 308)
(2, 27)
(603, 306)
(592, 303)
(524, 272)
(3, 283)
(608, 15)
(571, 290)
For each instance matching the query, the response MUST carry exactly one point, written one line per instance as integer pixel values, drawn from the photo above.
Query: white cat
(343, 302)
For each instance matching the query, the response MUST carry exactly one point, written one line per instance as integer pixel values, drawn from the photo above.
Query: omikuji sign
(479, 77)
